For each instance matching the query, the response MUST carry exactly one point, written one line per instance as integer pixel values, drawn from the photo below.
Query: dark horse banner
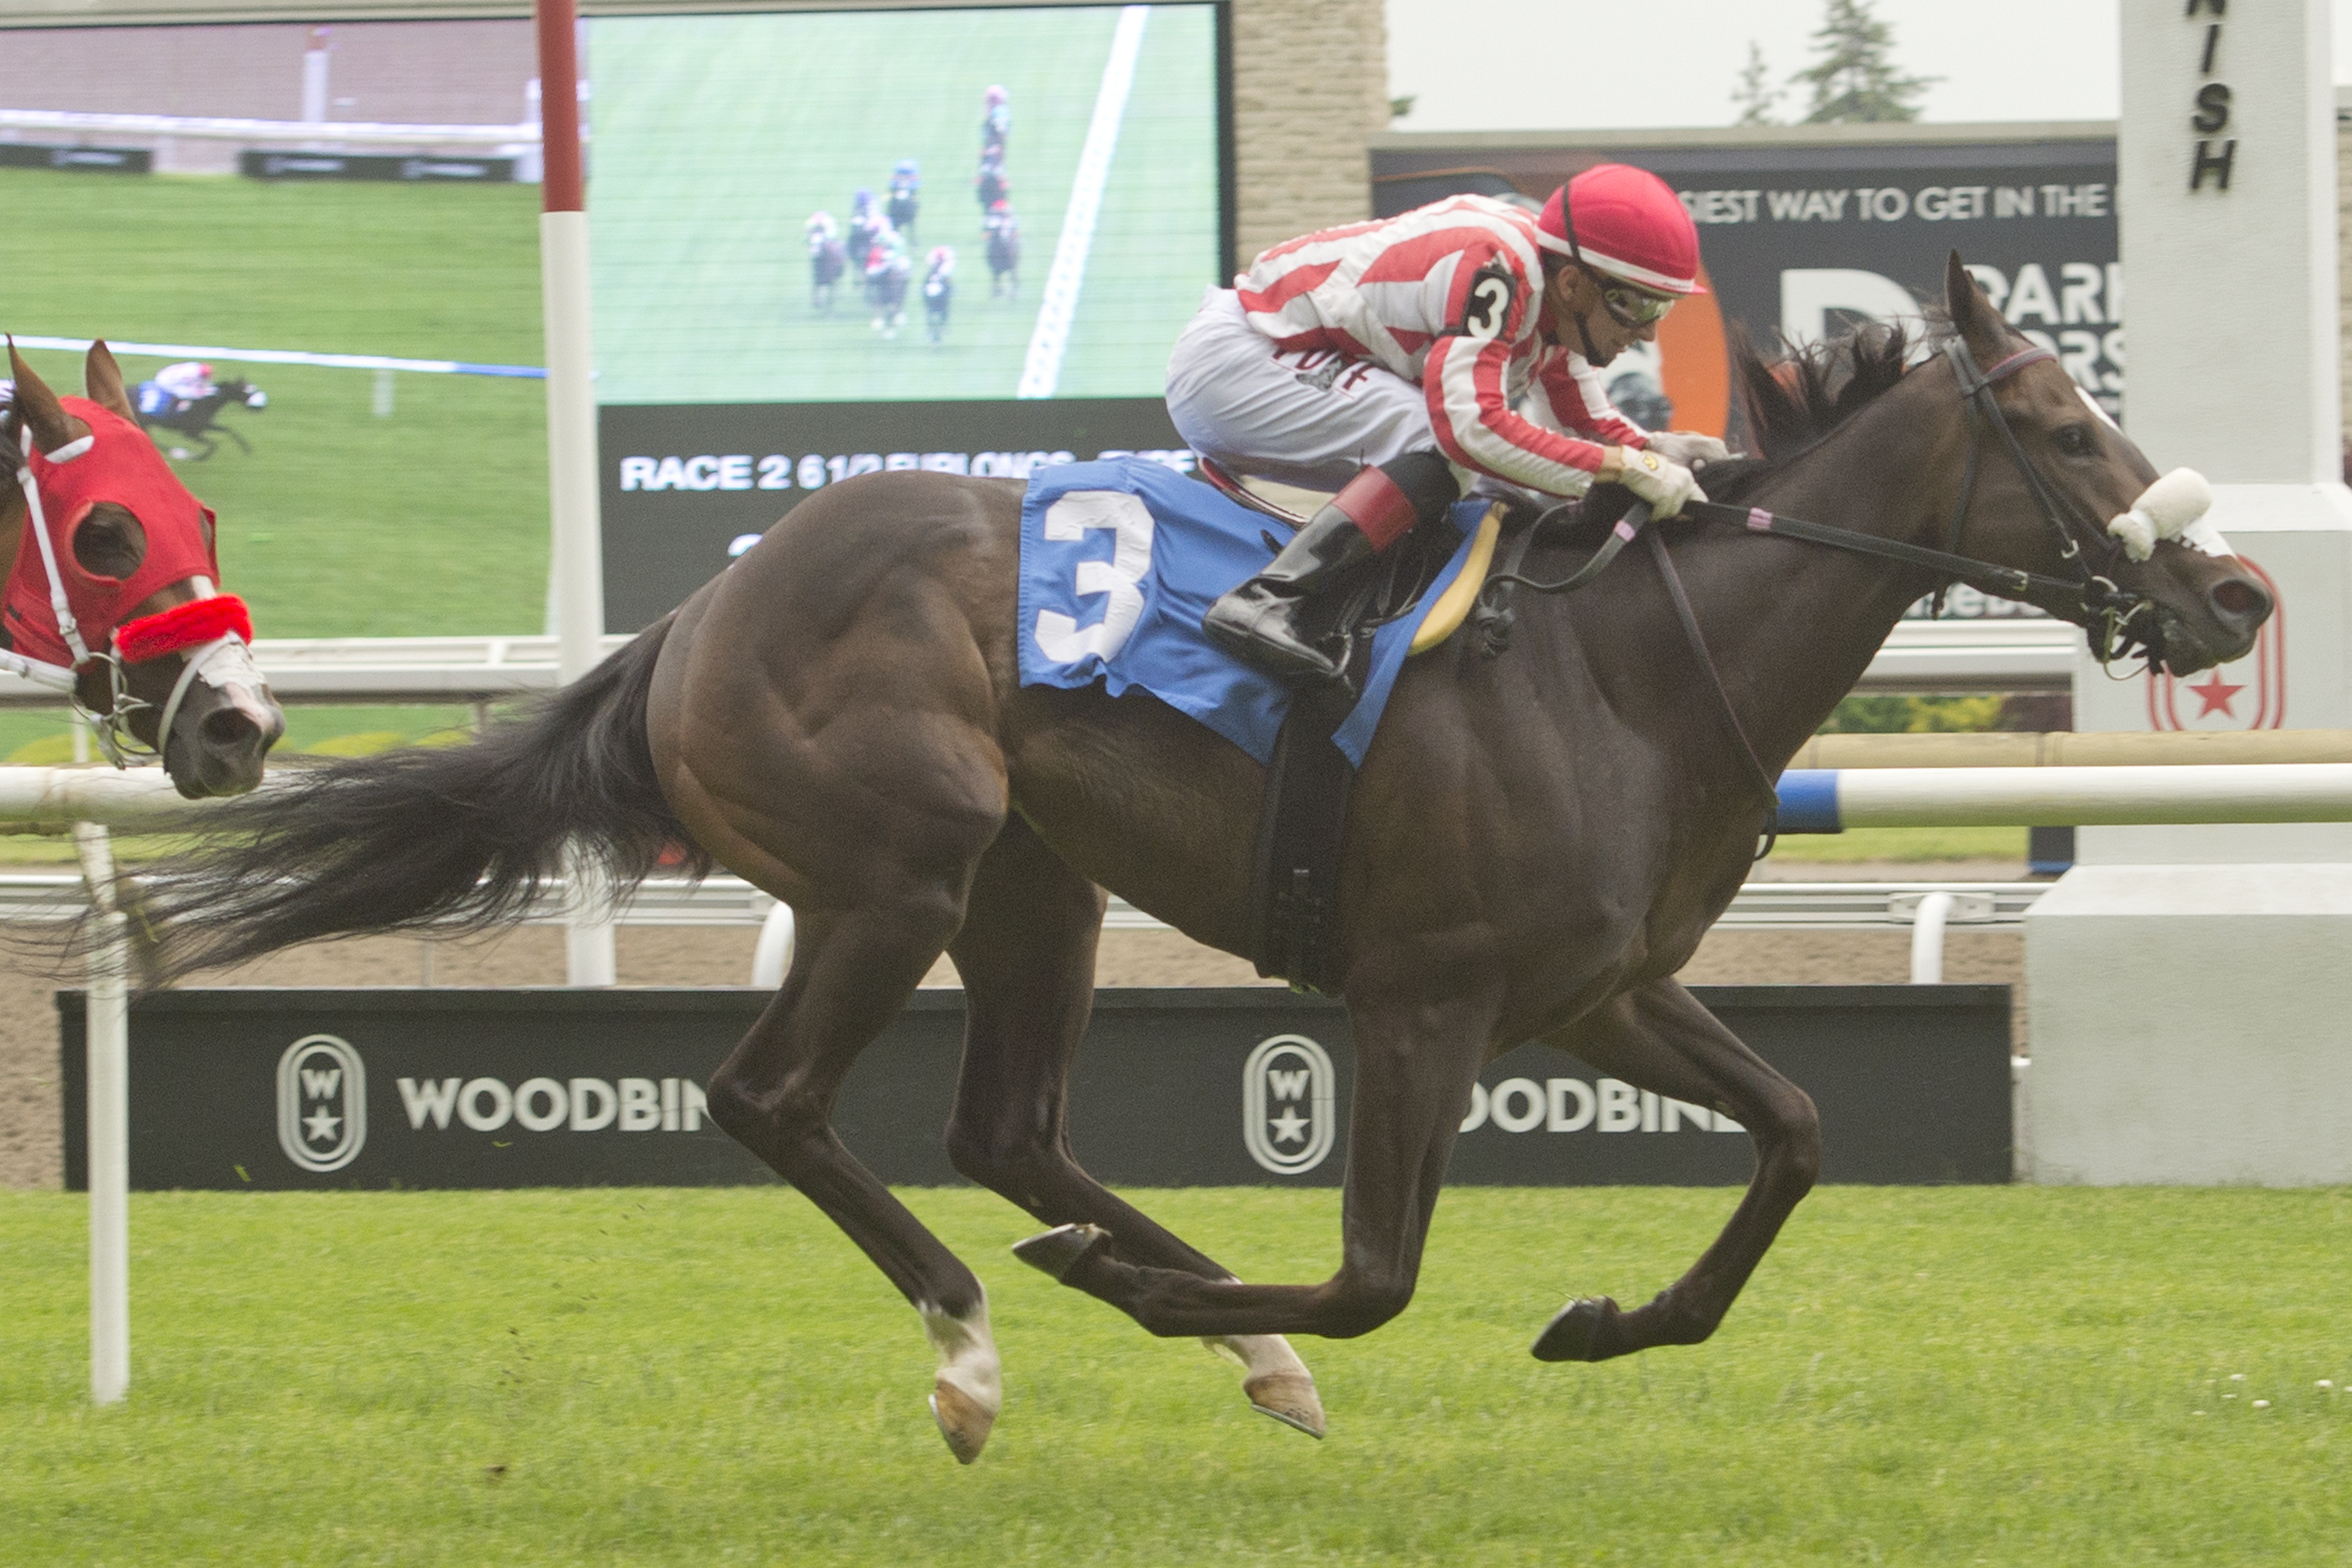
(1118, 561)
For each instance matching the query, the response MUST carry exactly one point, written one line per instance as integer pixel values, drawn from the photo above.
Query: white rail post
(106, 1036)
(771, 958)
(576, 571)
(1927, 939)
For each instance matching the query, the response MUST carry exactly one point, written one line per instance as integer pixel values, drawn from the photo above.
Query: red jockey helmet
(1628, 223)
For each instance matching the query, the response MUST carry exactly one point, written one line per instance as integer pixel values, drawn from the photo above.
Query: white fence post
(106, 1036)
(1927, 939)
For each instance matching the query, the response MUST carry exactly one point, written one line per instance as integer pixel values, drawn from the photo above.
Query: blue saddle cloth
(1119, 560)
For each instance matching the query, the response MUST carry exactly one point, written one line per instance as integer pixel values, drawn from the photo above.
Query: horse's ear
(1973, 316)
(103, 379)
(51, 425)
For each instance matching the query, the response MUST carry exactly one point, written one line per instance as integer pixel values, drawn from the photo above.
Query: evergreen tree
(1754, 101)
(1856, 79)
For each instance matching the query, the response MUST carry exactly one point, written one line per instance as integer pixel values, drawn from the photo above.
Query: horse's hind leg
(1026, 954)
(1659, 1038)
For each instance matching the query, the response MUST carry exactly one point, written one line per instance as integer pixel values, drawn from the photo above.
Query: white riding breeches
(1310, 419)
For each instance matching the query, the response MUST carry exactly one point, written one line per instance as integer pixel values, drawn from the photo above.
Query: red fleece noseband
(197, 622)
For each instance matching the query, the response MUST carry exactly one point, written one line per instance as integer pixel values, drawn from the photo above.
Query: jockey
(821, 227)
(1397, 360)
(995, 122)
(906, 187)
(175, 387)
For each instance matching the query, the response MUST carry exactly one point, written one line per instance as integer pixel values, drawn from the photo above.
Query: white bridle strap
(67, 627)
(228, 651)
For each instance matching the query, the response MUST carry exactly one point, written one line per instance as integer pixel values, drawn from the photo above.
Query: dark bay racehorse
(147, 571)
(1537, 844)
(197, 420)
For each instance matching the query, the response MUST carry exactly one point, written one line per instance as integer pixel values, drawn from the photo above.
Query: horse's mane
(1794, 398)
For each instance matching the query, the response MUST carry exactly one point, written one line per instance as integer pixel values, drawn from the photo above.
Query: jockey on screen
(906, 191)
(1392, 360)
(995, 122)
(175, 387)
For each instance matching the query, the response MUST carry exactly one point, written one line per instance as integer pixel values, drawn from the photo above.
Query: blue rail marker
(1809, 802)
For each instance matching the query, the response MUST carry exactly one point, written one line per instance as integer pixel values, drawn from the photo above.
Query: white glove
(1666, 484)
(1688, 448)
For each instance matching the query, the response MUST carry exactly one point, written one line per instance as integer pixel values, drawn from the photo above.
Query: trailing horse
(197, 420)
(1536, 842)
(113, 601)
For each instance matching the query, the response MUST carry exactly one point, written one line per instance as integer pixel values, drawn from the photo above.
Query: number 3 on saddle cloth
(1120, 559)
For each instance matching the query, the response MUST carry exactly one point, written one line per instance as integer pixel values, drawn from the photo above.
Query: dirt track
(31, 1152)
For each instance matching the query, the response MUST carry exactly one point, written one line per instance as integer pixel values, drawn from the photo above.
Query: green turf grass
(340, 523)
(1904, 843)
(2011, 1376)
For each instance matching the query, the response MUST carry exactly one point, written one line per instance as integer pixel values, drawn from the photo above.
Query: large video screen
(832, 243)
(314, 243)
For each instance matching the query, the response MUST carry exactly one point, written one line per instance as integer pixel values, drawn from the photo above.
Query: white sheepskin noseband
(2172, 508)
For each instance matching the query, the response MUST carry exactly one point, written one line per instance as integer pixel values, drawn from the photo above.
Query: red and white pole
(577, 572)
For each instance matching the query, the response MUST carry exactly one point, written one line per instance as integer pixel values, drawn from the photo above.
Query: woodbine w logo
(1288, 1122)
(322, 1103)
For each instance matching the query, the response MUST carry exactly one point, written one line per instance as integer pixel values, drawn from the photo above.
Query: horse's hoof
(963, 1421)
(1062, 1249)
(1289, 1398)
(1574, 1334)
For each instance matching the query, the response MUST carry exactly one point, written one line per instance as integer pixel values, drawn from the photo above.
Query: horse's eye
(2076, 440)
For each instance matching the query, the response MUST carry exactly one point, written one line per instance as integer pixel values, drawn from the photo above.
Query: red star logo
(2215, 694)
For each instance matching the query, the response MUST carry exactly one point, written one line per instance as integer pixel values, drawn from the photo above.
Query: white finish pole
(772, 959)
(577, 572)
(106, 1036)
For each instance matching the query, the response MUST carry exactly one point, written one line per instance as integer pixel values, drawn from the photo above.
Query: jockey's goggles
(1629, 307)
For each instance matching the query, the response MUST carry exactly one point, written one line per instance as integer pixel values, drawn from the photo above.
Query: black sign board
(683, 483)
(512, 1088)
(87, 160)
(256, 164)
(1804, 239)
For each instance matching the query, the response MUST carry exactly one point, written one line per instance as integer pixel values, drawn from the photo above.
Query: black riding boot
(1258, 622)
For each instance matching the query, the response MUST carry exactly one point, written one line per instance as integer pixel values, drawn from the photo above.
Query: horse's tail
(456, 838)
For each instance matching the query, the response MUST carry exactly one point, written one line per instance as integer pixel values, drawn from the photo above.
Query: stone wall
(1310, 84)
(2343, 263)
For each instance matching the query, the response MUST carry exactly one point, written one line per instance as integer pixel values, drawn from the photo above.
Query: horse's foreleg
(1659, 1038)
(1415, 1061)
(1026, 954)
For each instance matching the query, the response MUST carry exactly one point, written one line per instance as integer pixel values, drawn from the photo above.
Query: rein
(2089, 599)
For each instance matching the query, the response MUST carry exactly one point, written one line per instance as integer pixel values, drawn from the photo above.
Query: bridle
(110, 727)
(2089, 598)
